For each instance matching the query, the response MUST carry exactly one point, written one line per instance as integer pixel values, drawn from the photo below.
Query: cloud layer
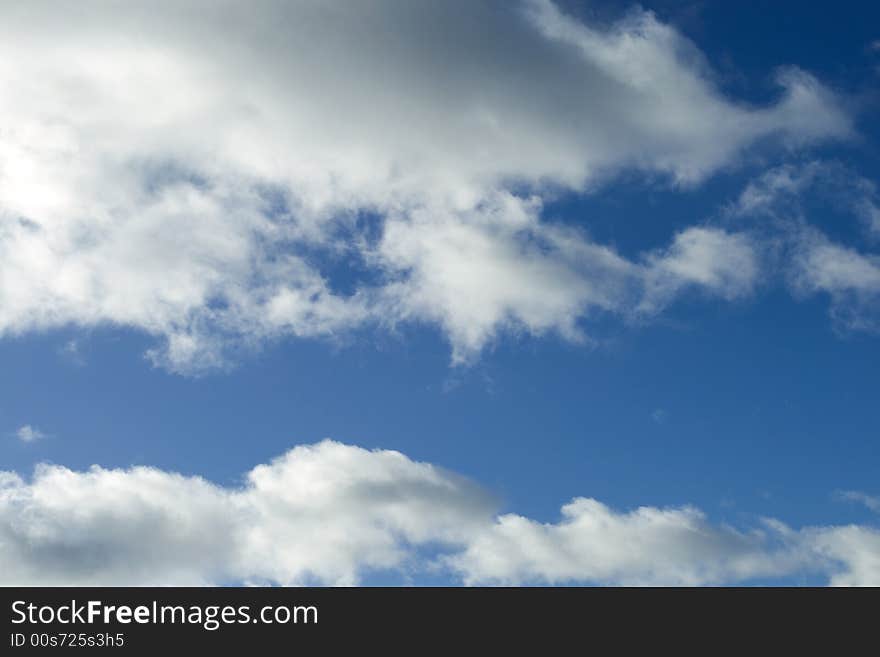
(190, 169)
(331, 513)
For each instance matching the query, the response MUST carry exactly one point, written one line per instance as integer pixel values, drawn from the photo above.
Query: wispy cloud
(782, 192)
(659, 415)
(72, 352)
(28, 434)
(869, 501)
(781, 203)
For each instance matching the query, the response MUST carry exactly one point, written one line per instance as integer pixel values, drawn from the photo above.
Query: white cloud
(500, 266)
(855, 548)
(791, 201)
(647, 547)
(832, 267)
(850, 278)
(28, 434)
(870, 501)
(322, 513)
(677, 120)
(174, 167)
(725, 264)
(781, 184)
(778, 193)
(330, 513)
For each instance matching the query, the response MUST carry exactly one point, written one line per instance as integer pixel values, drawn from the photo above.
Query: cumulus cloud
(646, 547)
(186, 169)
(855, 548)
(331, 513)
(502, 267)
(322, 513)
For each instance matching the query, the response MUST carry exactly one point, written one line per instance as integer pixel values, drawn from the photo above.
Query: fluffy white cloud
(497, 267)
(176, 167)
(676, 119)
(113, 526)
(322, 513)
(330, 513)
(855, 550)
(645, 547)
(503, 267)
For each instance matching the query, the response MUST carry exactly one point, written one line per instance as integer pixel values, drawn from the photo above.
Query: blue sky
(742, 389)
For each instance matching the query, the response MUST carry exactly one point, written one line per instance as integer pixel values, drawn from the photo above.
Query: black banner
(547, 620)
